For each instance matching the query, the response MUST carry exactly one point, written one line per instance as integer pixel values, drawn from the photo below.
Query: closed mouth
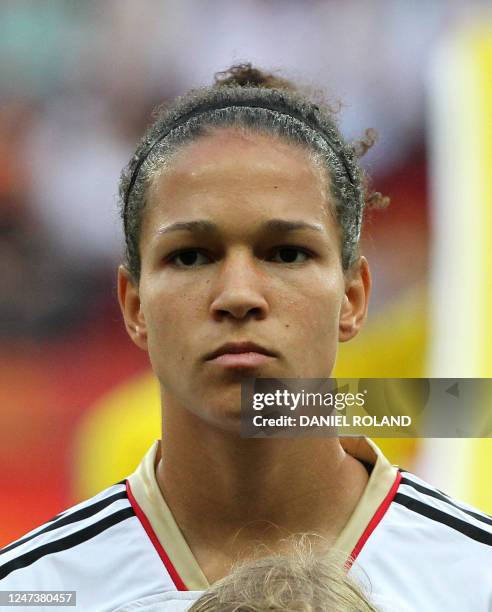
(239, 347)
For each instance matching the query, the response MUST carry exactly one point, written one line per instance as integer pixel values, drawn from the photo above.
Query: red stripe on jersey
(180, 585)
(380, 512)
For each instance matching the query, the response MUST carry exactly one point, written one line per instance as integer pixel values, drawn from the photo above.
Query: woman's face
(239, 244)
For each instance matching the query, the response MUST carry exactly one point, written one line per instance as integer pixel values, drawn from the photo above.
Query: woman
(242, 210)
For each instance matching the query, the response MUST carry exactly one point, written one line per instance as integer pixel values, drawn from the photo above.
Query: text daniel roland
(332, 420)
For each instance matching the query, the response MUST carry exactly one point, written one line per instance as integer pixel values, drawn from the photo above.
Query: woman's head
(299, 581)
(258, 103)
(242, 211)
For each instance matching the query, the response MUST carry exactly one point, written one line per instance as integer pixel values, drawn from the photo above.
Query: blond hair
(300, 581)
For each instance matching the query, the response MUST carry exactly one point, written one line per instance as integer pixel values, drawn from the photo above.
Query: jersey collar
(171, 545)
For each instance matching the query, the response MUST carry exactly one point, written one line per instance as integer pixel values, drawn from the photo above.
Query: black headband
(278, 107)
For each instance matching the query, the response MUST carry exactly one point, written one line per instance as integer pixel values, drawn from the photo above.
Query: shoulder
(100, 538)
(70, 529)
(454, 520)
(427, 539)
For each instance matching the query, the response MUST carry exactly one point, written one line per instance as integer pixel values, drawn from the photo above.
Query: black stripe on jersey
(484, 518)
(66, 519)
(473, 532)
(57, 516)
(65, 543)
(403, 472)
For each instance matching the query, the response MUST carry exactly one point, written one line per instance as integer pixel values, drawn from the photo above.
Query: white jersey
(418, 549)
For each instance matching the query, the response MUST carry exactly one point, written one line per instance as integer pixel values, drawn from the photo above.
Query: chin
(225, 421)
(226, 417)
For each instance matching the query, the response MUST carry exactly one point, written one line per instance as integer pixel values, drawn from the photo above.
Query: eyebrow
(199, 225)
(273, 225)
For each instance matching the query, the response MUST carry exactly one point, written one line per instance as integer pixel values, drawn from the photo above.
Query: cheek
(314, 308)
(317, 334)
(169, 316)
(319, 322)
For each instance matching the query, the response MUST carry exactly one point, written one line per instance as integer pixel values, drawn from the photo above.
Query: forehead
(232, 171)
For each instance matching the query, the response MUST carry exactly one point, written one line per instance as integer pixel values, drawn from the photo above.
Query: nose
(238, 290)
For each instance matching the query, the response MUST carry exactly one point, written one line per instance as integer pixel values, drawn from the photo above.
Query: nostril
(238, 311)
(239, 302)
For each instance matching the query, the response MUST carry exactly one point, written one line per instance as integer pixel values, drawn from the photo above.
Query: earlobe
(353, 311)
(346, 327)
(129, 300)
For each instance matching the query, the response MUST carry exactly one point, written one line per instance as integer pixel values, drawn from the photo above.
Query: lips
(240, 348)
(245, 356)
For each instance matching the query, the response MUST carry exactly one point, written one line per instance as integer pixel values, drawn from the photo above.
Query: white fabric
(423, 554)
(176, 601)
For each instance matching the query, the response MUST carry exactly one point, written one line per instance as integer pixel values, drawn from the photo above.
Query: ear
(129, 299)
(353, 312)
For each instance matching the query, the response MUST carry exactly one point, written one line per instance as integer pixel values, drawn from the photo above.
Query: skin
(241, 288)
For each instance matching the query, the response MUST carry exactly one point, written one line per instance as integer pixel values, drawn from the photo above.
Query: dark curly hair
(262, 102)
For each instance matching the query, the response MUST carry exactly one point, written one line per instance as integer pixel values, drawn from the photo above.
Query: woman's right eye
(190, 258)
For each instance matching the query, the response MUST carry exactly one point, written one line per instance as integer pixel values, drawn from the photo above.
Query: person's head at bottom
(299, 581)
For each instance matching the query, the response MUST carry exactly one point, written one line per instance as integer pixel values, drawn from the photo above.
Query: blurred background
(78, 83)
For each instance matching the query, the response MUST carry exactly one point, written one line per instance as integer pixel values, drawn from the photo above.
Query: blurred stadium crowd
(78, 82)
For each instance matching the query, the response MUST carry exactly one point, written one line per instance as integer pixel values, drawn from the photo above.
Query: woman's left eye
(290, 254)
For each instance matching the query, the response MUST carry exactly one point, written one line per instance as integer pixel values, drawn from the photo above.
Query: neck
(227, 489)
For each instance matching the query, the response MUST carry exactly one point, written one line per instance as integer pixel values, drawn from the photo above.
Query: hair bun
(245, 75)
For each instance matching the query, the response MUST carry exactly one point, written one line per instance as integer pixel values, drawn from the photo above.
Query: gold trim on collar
(149, 497)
